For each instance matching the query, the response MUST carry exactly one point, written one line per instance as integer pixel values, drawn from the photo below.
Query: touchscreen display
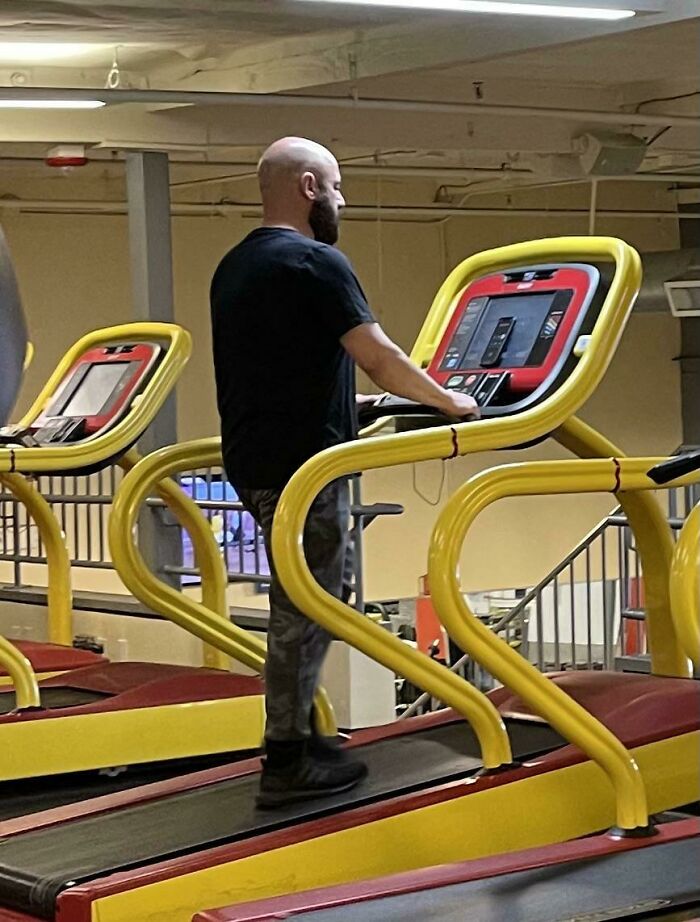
(96, 388)
(473, 343)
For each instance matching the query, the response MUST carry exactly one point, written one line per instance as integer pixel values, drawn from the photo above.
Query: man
(290, 321)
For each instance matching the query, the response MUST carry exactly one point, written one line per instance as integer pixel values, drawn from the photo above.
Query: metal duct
(673, 265)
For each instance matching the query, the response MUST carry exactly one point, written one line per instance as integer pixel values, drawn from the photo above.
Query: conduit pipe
(253, 209)
(277, 100)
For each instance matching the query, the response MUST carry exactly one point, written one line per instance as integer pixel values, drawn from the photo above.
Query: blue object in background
(240, 542)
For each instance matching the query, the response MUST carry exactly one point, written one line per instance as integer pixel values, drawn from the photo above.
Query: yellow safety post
(685, 587)
(547, 700)
(59, 593)
(209, 624)
(654, 543)
(448, 442)
(209, 562)
(20, 671)
(97, 450)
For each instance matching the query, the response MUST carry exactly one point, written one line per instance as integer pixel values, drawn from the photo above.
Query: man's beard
(324, 221)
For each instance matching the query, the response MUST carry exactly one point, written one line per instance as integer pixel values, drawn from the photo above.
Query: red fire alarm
(66, 155)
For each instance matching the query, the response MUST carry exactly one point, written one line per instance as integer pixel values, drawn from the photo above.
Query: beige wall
(74, 275)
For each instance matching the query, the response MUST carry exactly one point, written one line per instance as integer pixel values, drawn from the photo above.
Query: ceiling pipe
(427, 173)
(253, 209)
(277, 100)
(373, 170)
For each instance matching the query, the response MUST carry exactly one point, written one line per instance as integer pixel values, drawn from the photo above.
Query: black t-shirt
(280, 303)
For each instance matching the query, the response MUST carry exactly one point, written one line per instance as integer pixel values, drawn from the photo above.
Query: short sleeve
(337, 294)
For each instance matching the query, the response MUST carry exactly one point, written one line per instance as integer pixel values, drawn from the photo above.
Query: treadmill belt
(55, 697)
(641, 884)
(36, 866)
(22, 798)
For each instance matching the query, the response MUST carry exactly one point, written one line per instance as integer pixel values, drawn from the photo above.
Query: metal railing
(587, 612)
(82, 506)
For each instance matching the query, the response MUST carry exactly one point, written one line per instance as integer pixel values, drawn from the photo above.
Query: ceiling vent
(603, 153)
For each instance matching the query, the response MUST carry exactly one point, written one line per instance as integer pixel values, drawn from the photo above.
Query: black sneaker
(328, 749)
(306, 778)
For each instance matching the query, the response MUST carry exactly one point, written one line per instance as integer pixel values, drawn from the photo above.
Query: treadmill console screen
(505, 331)
(96, 388)
(512, 334)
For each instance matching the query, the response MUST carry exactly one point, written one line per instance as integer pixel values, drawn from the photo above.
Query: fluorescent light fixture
(51, 103)
(41, 52)
(494, 6)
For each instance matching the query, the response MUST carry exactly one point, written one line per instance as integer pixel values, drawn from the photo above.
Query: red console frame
(142, 357)
(582, 283)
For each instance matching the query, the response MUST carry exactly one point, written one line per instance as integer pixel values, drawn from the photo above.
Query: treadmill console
(511, 339)
(97, 391)
(511, 334)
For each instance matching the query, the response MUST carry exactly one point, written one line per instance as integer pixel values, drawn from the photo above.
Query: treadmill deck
(36, 866)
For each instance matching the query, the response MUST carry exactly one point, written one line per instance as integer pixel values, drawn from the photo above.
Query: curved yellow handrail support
(209, 623)
(447, 442)
(685, 587)
(490, 651)
(348, 625)
(20, 671)
(59, 592)
(206, 553)
(77, 455)
(655, 545)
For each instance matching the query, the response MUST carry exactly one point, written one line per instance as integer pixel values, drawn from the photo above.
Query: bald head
(300, 188)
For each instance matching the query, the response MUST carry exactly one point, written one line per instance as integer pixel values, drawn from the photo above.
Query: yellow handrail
(59, 593)
(211, 566)
(77, 455)
(207, 620)
(654, 543)
(447, 442)
(685, 586)
(19, 669)
(547, 700)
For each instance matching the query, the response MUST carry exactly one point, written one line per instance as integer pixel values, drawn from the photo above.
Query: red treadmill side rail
(432, 878)
(50, 657)
(136, 685)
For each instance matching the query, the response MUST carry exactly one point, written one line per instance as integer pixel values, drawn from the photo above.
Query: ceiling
(171, 56)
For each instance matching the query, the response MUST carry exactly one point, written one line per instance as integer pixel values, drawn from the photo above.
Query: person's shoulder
(323, 257)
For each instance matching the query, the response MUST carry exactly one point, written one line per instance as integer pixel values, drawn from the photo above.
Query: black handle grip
(675, 467)
(396, 406)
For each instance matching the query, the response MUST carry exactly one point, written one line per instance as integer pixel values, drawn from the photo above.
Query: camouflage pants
(297, 646)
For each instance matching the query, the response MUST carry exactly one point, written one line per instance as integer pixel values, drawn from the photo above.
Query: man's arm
(392, 370)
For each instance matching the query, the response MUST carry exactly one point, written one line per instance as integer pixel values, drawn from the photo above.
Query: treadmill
(597, 877)
(169, 850)
(105, 716)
